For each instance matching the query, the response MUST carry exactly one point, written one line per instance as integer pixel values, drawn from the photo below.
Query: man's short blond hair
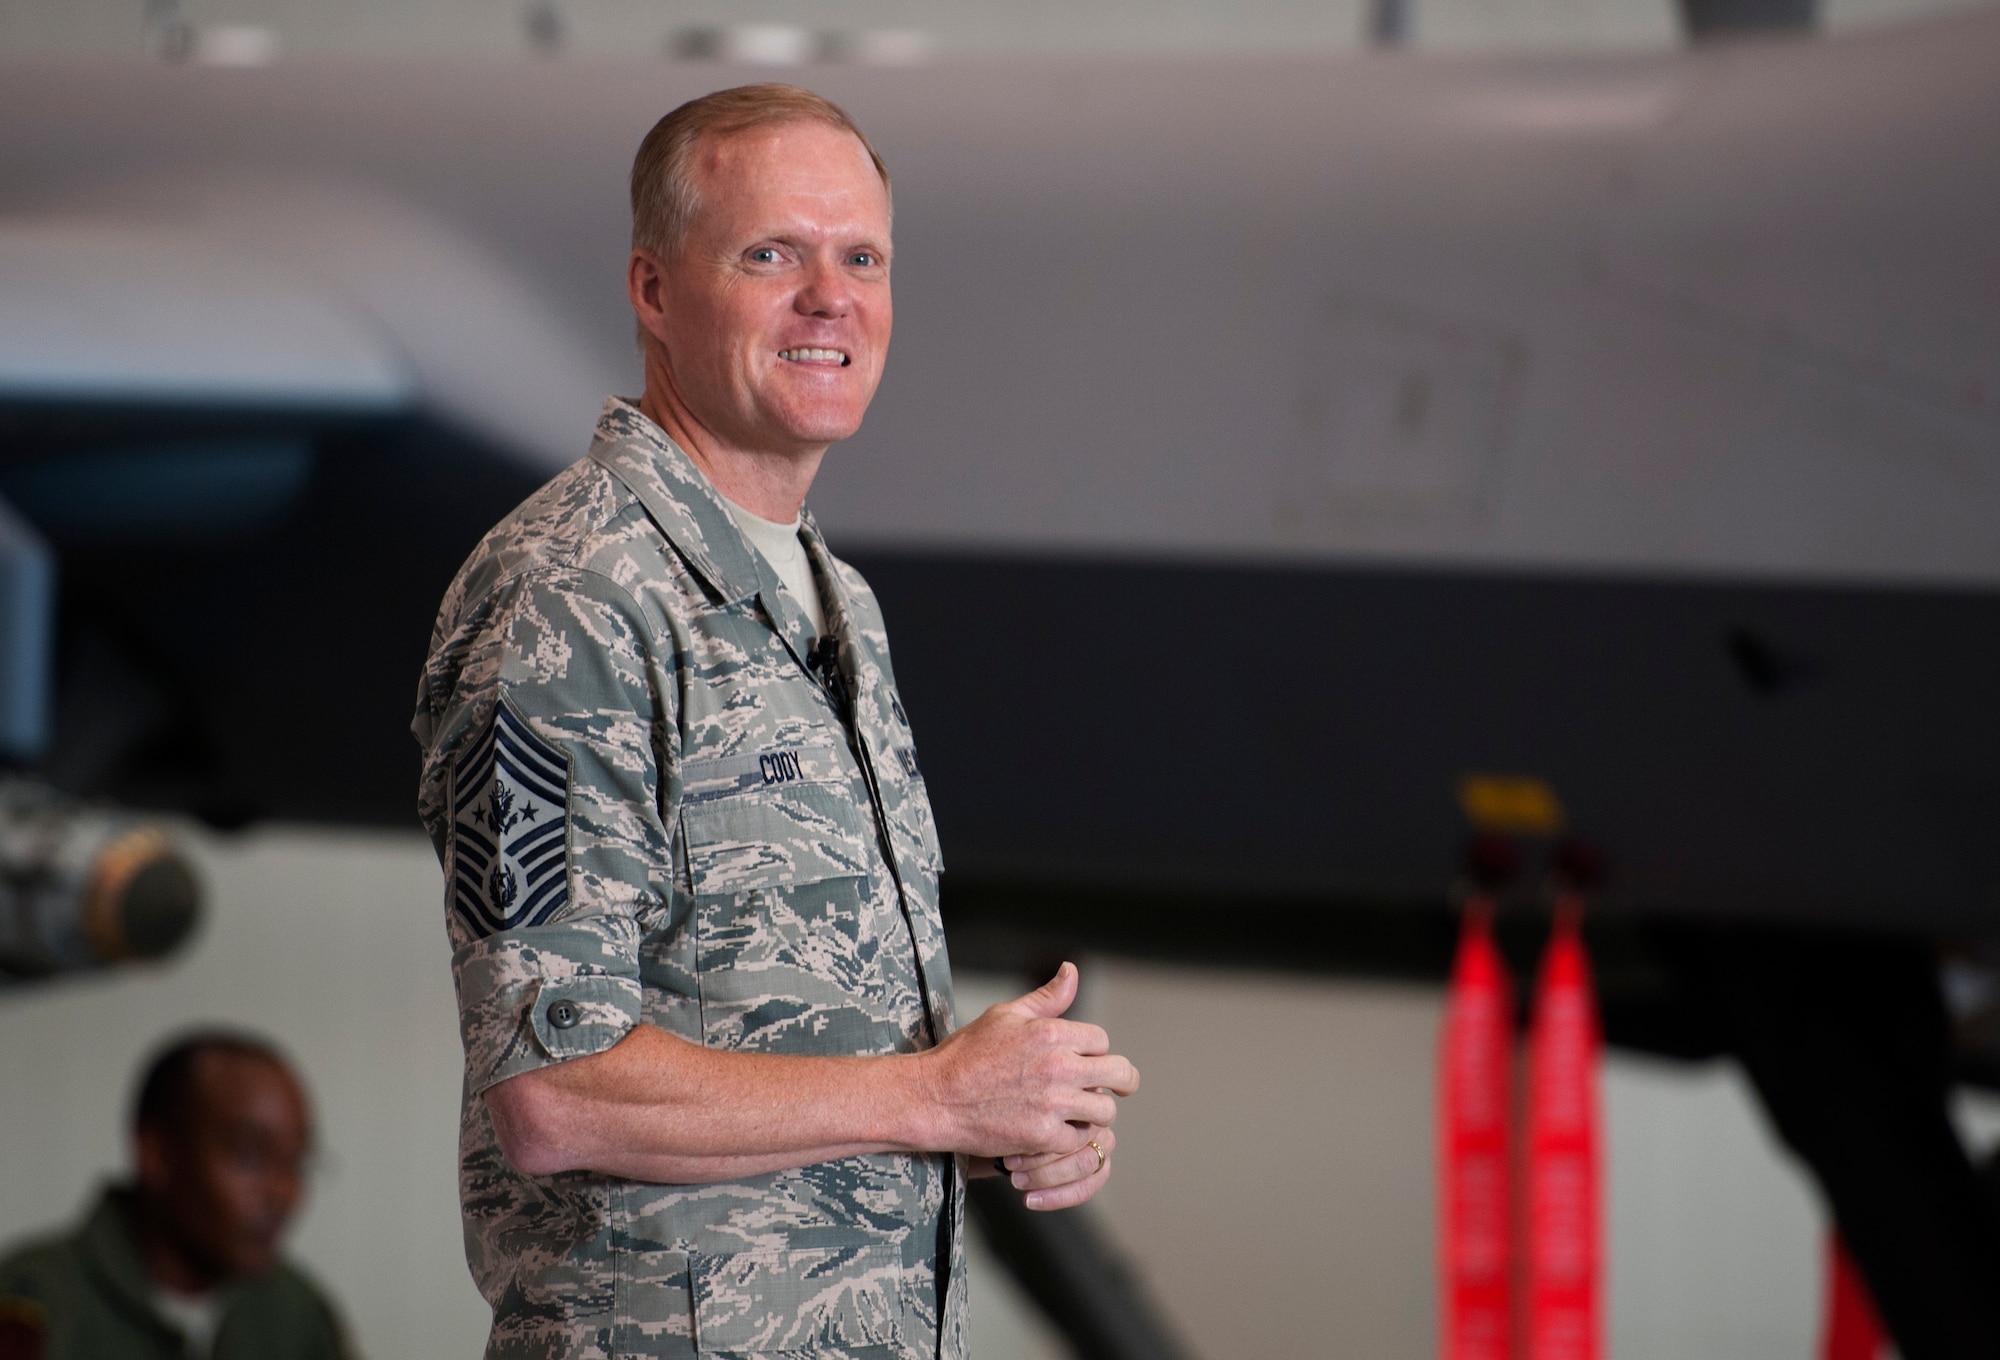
(665, 197)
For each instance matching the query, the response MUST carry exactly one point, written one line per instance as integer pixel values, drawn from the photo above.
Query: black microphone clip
(824, 660)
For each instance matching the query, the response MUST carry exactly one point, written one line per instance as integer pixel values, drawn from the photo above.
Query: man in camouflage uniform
(714, 1102)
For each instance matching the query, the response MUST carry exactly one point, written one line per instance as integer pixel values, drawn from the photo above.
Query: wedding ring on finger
(1101, 1158)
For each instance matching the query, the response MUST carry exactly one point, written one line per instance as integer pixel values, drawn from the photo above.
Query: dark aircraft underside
(246, 599)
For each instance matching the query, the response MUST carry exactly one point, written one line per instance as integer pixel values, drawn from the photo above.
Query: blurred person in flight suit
(182, 1263)
(715, 1102)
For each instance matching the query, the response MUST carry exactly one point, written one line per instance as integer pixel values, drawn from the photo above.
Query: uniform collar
(113, 1254)
(691, 513)
(833, 593)
(679, 497)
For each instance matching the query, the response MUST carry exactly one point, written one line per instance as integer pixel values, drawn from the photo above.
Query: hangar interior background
(1255, 1198)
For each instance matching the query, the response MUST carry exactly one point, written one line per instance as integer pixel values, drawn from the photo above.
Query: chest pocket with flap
(785, 939)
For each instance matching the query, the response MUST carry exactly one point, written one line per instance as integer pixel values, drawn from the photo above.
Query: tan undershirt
(786, 552)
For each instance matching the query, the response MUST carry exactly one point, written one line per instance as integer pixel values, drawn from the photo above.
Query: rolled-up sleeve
(542, 994)
(547, 791)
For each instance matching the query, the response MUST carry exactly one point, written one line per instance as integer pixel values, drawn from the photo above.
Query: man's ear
(152, 1160)
(645, 284)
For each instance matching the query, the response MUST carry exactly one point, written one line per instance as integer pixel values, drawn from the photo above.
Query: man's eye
(764, 255)
(863, 259)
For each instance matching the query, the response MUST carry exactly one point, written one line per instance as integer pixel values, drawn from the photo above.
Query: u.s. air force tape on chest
(510, 828)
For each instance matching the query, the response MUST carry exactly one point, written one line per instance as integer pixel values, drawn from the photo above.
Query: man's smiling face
(776, 309)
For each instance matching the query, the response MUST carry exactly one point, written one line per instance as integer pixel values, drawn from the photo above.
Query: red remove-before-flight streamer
(1475, 1117)
(1564, 1154)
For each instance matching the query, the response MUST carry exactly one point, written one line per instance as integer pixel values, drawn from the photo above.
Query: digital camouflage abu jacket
(649, 810)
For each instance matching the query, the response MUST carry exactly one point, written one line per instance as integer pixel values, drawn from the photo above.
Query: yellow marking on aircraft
(1512, 804)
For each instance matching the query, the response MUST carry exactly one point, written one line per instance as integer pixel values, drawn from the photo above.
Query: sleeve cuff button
(564, 1015)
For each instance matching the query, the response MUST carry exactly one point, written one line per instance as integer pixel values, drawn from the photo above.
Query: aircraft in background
(1282, 460)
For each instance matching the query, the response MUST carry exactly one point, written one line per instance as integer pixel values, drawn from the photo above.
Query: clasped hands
(1034, 1091)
